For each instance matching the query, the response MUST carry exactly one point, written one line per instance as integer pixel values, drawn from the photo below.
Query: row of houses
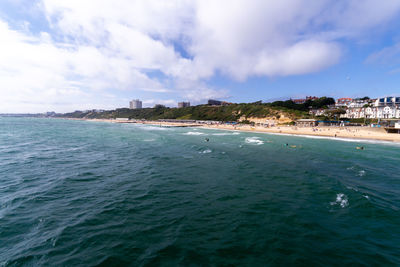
(380, 108)
(373, 112)
(361, 102)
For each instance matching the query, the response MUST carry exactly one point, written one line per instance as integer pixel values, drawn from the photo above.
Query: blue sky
(68, 55)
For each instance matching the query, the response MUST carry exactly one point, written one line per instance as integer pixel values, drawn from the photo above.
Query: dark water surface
(76, 193)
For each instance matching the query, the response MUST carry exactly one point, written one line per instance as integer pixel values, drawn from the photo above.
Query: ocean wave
(193, 133)
(352, 188)
(361, 173)
(357, 170)
(223, 134)
(254, 140)
(152, 128)
(352, 140)
(342, 200)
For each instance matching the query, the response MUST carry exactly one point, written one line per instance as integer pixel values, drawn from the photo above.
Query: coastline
(350, 133)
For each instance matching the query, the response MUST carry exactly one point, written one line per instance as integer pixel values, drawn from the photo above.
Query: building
(306, 123)
(318, 112)
(183, 104)
(382, 112)
(359, 103)
(382, 108)
(387, 101)
(299, 101)
(135, 104)
(343, 102)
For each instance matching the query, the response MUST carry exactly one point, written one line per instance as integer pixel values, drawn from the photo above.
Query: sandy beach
(367, 133)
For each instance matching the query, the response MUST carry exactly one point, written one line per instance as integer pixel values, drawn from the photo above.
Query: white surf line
(342, 139)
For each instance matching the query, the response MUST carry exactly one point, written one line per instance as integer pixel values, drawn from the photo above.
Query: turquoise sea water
(75, 193)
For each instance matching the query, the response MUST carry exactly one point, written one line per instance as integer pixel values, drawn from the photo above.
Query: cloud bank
(96, 53)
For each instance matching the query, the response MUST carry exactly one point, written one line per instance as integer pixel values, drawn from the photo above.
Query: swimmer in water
(207, 139)
(360, 148)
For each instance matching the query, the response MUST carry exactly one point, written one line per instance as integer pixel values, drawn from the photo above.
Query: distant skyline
(99, 54)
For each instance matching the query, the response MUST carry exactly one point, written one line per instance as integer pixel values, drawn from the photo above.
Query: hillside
(283, 111)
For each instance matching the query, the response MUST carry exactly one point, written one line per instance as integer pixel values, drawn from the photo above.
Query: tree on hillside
(322, 102)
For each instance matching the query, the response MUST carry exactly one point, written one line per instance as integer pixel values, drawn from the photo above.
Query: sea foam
(193, 133)
(342, 200)
(223, 134)
(254, 140)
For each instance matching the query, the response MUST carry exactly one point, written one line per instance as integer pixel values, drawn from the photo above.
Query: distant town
(351, 108)
(340, 109)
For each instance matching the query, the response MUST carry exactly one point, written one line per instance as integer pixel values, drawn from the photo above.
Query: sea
(83, 193)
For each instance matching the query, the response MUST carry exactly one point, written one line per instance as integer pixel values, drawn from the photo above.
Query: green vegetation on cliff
(232, 112)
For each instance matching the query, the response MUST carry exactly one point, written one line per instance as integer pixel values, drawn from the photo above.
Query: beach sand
(352, 132)
(325, 131)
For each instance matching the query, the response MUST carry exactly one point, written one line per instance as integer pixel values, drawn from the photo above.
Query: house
(387, 101)
(306, 123)
(380, 112)
(317, 112)
(343, 102)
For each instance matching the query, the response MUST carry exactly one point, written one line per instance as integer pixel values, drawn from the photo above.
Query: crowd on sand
(353, 132)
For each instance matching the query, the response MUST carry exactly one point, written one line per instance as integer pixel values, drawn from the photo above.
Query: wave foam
(361, 173)
(152, 128)
(223, 134)
(254, 140)
(193, 133)
(352, 140)
(206, 151)
(342, 200)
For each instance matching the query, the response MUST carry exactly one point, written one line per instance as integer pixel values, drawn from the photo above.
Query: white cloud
(35, 69)
(96, 47)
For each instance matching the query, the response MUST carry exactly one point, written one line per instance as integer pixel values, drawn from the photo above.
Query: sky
(66, 55)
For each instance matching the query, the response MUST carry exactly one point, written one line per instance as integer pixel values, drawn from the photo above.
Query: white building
(387, 101)
(343, 102)
(382, 108)
(373, 113)
(317, 112)
(358, 103)
(135, 104)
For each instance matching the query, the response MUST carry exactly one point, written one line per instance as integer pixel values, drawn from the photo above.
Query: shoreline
(328, 132)
(355, 133)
